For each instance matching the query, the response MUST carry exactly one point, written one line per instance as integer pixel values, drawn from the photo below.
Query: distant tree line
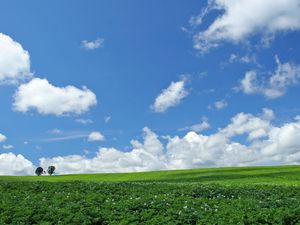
(40, 171)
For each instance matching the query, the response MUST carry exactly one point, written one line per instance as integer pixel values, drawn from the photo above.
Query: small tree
(39, 171)
(51, 170)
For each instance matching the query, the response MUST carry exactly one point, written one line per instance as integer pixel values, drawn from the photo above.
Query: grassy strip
(276, 175)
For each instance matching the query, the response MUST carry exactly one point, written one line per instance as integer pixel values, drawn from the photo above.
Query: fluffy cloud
(90, 45)
(6, 147)
(242, 19)
(254, 126)
(170, 96)
(220, 104)
(95, 136)
(14, 61)
(11, 164)
(286, 74)
(2, 138)
(247, 140)
(42, 96)
(144, 156)
(265, 144)
(249, 83)
(198, 127)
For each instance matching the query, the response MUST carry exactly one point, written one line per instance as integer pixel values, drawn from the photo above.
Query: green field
(277, 175)
(244, 195)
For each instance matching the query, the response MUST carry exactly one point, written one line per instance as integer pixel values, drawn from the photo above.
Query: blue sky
(174, 84)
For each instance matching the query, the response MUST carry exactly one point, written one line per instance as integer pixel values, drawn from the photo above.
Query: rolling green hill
(277, 175)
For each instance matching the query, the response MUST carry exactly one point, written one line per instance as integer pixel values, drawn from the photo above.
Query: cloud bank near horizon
(264, 144)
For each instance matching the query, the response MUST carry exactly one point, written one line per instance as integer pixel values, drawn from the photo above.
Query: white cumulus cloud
(11, 164)
(246, 140)
(14, 61)
(144, 156)
(265, 144)
(2, 137)
(170, 96)
(285, 75)
(220, 104)
(198, 127)
(40, 95)
(90, 45)
(6, 147)
(95, 136)
(242, 19)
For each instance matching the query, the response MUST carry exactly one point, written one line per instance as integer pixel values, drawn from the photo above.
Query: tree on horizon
(51, 170)
(39, 171)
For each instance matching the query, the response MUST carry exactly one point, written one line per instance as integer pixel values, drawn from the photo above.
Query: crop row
(146, 203)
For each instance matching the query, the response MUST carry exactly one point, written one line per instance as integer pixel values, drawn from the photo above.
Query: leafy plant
(146, 203)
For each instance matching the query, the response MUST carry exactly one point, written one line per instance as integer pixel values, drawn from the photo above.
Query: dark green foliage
(51, 170)
(147, 203)
(39, 171)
